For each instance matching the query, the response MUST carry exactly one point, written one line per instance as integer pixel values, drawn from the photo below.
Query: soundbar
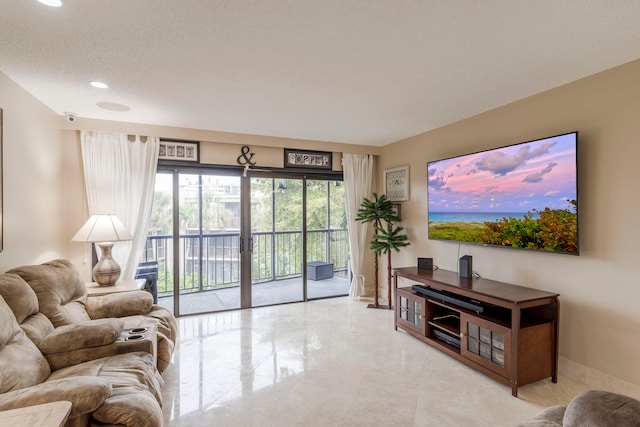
(443, 296)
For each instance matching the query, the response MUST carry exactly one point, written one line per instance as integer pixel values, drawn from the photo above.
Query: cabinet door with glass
(411, 313)
(486, 343)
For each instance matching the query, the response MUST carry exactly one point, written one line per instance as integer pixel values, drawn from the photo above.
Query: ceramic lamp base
(107, 271)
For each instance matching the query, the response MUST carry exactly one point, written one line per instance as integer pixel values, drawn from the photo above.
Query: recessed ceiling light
(113, 106)
(52, 3)
(99, 85)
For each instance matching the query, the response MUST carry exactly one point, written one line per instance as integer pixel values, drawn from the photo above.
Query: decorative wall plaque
(179, 150)
(304, 159)
(396, 183)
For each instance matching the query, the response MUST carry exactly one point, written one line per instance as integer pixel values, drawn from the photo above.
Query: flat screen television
(519, 196)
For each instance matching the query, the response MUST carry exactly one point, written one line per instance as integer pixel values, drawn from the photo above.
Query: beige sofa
(116, 390)
(62, 297)
(595, 408)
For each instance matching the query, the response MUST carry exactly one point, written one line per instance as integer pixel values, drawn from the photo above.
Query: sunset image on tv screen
(522, 196)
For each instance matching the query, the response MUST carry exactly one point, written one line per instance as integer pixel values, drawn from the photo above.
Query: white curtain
(358, 172)
(120, 178)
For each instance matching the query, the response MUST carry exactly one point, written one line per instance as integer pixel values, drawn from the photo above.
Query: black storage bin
(149, 271)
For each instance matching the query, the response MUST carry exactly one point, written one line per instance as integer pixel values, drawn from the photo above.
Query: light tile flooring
(332, 362)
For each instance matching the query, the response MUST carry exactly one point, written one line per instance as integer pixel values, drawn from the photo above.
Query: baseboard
(595, 379)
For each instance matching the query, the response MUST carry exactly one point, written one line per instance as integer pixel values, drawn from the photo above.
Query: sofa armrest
(86, 394)
(549, 417)
(602, 408)
(92, 333)
(119, 305)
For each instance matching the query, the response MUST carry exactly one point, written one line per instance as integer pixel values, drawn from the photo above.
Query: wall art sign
(244, 159)
(180, 150)
(396, 183)
(305, 159)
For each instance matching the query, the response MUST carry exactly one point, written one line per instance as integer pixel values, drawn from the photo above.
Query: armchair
(62, 298)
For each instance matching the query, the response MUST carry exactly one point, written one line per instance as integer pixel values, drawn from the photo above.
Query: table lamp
(104, 230)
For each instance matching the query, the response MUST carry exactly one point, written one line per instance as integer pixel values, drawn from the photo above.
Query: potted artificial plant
(380, 212)
(386, 240)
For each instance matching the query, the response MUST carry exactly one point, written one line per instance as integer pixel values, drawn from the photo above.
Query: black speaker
(425, 263)
(466, 269)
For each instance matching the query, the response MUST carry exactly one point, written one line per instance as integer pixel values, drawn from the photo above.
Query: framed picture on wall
(396, 183)
(183, 151)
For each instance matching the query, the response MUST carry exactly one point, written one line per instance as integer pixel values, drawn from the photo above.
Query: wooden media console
(507, 332)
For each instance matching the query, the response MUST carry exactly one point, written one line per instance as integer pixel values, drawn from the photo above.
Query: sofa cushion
(136, 396)
(92, 333)
(86, 394)
(119, 410)
(21, 363)
(24, 303)
(132, 371)
(120, 304)
(602, 408)
(19, 296)
(37, 327)
(60, 291)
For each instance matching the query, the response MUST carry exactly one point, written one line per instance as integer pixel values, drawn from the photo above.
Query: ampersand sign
(244, 159)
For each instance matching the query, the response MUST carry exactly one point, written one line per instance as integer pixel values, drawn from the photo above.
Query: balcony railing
(212, 261)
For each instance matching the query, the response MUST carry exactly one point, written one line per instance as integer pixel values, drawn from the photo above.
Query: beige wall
(33, 209)
(600, 289)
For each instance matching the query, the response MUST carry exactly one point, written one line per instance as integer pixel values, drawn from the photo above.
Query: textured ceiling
(353, 71)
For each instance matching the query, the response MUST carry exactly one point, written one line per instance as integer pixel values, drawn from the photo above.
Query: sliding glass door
(209, 262)
(299, 239)
(223, 241)
(195, 239)
(277, 241)
(327, 240)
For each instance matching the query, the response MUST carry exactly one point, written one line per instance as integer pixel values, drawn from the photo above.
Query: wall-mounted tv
(520, 196)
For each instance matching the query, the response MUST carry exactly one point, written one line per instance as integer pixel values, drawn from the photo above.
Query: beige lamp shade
(104, 229)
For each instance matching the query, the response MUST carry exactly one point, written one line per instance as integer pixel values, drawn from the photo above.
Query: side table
(52, 414)
(93, 289)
